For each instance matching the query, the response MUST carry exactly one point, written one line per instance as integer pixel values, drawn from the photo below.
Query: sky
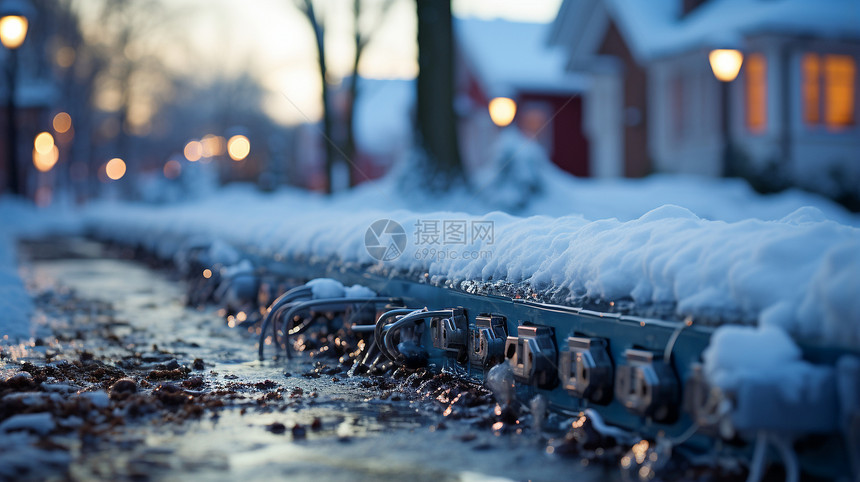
(274, 42)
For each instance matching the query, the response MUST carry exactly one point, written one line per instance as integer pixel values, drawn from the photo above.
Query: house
(653, 104)
(497, 58)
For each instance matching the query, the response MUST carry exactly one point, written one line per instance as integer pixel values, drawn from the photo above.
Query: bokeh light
(212, 145)
(502, 111)
(62, 122)
(726, 63)
(193, 151)
(65, 57)
(44, 143)
(172, 169)
(13, 31)
(238, 147)
(44, 162)
(115, 168)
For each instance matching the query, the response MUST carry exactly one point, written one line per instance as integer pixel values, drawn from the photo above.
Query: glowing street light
(238, 147)
(502, 111)
(13, 30)
(726, 64)
(14, 23)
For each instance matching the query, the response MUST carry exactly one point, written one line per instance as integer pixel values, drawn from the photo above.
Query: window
(829, 83)
(755, 73)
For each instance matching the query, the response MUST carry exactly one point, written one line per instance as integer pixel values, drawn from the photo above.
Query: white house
(654, 105)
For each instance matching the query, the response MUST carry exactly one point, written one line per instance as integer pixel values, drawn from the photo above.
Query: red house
(503, 59)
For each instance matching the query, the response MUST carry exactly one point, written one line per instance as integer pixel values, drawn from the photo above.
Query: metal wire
(307, 305)
(380, 327)
(414, 317)
(273, 309)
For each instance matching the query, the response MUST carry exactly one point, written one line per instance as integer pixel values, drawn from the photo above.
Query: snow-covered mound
(21, 219)
(800, 272)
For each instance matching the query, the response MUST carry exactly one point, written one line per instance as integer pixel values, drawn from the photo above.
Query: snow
(738, 352)
(98, 398)
(511, 56)
(323, 288)
(762, 370)
(40, 423)
(21, 219)
(653, 29)
(797, 271)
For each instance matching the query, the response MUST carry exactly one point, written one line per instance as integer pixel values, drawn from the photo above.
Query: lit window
(828, 88)
(839, 73)
(756, 87)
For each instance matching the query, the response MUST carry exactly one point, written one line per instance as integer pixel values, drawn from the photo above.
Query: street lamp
(502, 111)
(726, 63)
(14, 15)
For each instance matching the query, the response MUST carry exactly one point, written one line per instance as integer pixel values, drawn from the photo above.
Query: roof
(654, 28)
(510, 57)
(383, 115)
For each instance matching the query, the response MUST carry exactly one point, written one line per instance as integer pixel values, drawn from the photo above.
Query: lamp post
(13, 32)
(726, 63)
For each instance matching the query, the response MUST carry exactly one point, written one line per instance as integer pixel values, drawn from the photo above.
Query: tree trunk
(437, 122)
(350, 147)
(327, 110)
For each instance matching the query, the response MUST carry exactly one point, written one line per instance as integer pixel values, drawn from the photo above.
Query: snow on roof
(508, 57)
(654, 28)
(383, 115)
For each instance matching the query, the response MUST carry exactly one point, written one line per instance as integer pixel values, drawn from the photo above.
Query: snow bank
(799, 272)
(21, 219)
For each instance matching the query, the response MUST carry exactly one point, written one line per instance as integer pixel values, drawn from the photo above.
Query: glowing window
(756, 88)
(839, 74)
(828, 88)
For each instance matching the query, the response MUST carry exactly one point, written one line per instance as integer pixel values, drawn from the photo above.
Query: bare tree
(362, 36)
(307, 8)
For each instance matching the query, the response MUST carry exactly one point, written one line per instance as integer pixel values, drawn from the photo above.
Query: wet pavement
(205, 408)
